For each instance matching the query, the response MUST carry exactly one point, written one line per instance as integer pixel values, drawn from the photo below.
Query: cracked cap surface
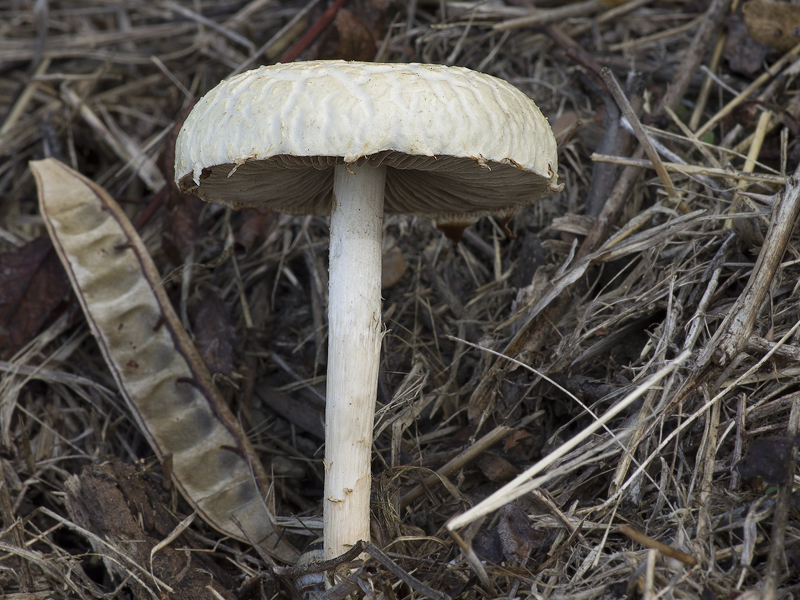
(459, 144)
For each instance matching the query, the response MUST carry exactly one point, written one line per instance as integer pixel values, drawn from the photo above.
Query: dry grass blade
(541, 17)
(524, 483)
(743, 95)
(656, 545)
(694, 170)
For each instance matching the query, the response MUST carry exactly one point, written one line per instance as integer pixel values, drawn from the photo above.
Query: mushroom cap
(459, 144)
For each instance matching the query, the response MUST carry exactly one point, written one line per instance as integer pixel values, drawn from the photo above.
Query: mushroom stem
(354, 343)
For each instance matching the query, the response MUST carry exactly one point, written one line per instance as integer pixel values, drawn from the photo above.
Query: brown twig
(644, 140)
(649, 542)
(768, 74)
(576, 52)
(453, 465)
(705, 36)
(394, 569)
(743, 314)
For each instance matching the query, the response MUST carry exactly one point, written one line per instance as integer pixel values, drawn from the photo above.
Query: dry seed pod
(159, 372)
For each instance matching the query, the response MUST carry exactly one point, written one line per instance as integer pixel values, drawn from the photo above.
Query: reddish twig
(312, 33)
(155, 203)
(649, 542)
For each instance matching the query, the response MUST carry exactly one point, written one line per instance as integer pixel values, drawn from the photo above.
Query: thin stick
(758, 141)
(641, 135)
(246, 13)
(759, 81)
(453, 465)
(25, 97)
(621, 10)
(747, 142)
(221, 29)
(523, 483)
(312, 33)
(650, 576)
(129, 152)
(689, 133)
(576, 52)
(692, 169)
(748, 305)
(648, 542)
(707, 31)
(544, 16)
(394, 569)
(171, 76)
(275, 39)
(661, 35)
(705, 91)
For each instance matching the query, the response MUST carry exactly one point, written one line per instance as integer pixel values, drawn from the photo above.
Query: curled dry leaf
(181, 227)
(254, 226)
(158, 370)
(213, 331)
(774, 24)
(767, 458)
(393, 267)
(123, 506)
(33, 286)
(181, 224)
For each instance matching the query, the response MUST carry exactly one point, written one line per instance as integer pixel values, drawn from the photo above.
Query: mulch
(628, 345)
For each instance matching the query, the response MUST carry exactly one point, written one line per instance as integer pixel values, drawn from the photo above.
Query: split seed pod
(159, 372)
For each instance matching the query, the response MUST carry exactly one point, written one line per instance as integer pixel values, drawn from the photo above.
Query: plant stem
(354, 343)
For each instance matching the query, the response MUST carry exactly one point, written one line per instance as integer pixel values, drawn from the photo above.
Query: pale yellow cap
(459, 144)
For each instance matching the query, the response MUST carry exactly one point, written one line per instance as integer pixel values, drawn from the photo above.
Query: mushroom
(357, 141)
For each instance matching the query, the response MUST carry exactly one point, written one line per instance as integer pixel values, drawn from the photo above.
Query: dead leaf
(33, 285)
(496, 468)
(516, 534)
(511, 539)
(487, 546)
(214, 334)
(513, 438)
(767, 458)
(393, 266)
(356, 41)
(254, 226)
(774, 24)
(743, 54)
(181, 226)
(356, 31)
